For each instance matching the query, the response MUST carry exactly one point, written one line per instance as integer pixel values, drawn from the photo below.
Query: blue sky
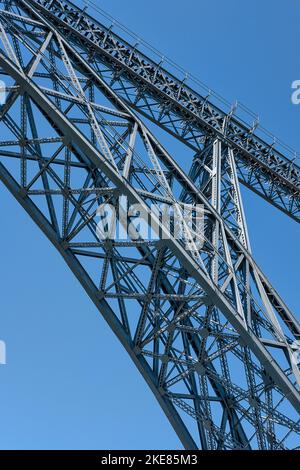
(68, 383)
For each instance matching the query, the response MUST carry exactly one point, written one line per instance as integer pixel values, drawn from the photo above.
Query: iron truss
(204, 326)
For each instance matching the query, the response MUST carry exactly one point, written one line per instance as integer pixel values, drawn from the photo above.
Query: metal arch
(214, 291)
(187, 182)
(101, 304)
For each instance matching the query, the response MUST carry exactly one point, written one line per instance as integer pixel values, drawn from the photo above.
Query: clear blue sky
(68, 383)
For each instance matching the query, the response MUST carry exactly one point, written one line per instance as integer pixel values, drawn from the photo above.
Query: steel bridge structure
(81, 128)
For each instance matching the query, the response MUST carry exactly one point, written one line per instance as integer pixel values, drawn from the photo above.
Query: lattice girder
(204, 326)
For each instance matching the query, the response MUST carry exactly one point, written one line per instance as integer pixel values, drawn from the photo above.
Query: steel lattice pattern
(206, 329)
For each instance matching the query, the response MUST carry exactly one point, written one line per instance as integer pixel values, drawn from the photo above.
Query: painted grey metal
(206, 329)
(169, 102)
